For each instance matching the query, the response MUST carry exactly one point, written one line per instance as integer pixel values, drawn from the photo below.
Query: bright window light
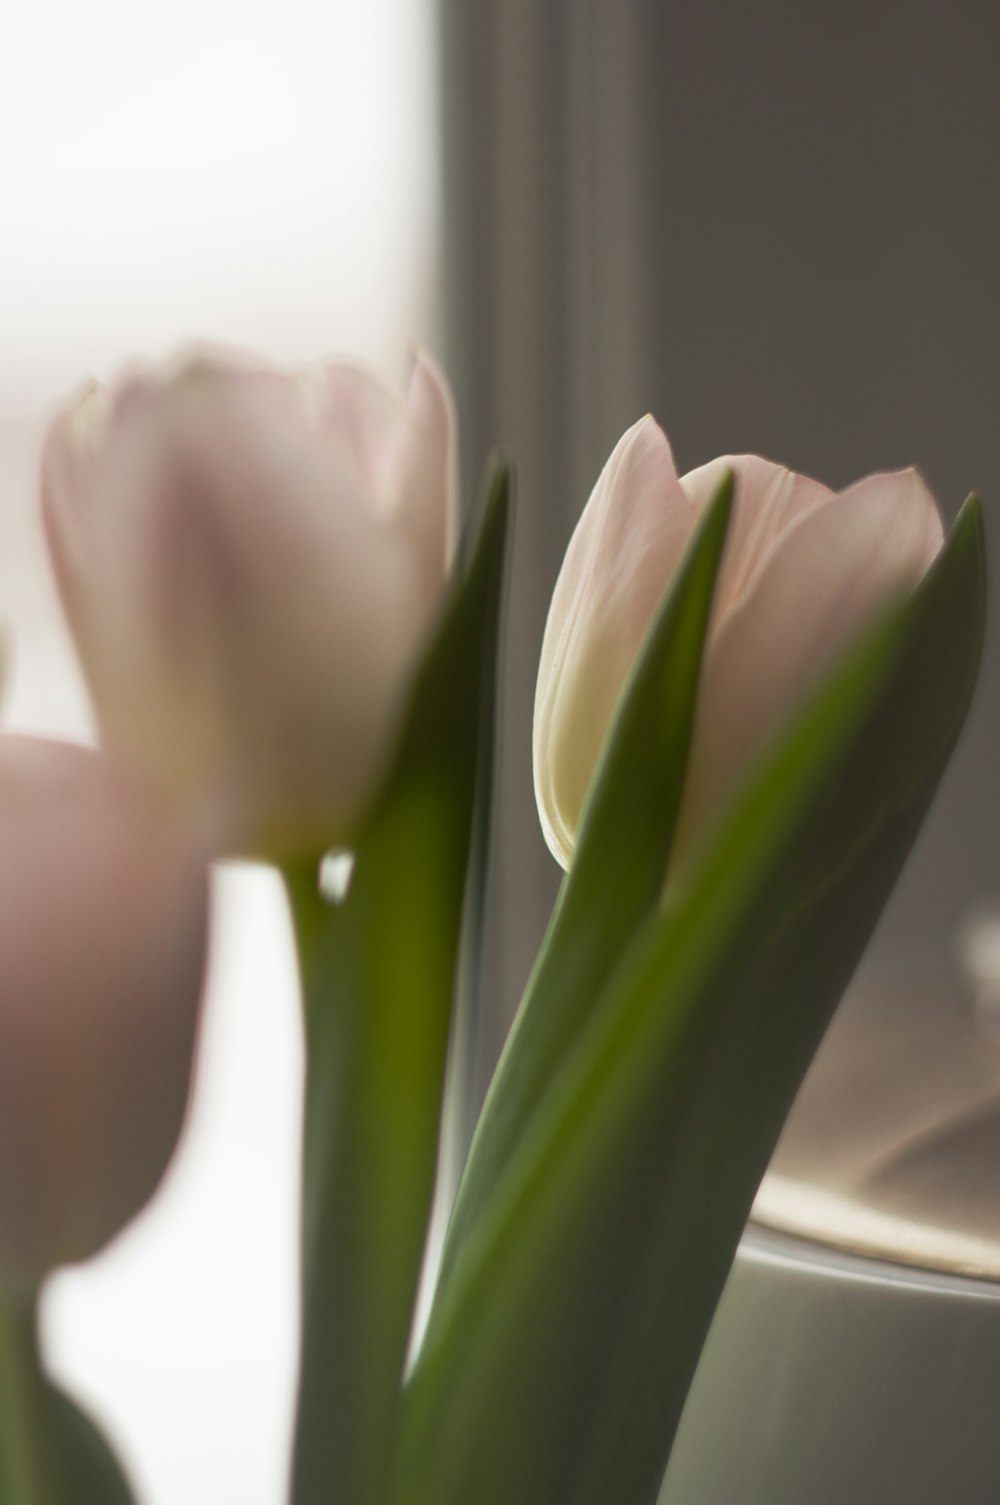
(264, 176)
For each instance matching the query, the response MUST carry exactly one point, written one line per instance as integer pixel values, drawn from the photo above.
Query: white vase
(855, 1355)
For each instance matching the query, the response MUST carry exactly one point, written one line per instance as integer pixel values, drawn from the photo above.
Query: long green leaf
(618, 871)
(378, 977)
(461, 1091)
(557, 1361)
(806, 931)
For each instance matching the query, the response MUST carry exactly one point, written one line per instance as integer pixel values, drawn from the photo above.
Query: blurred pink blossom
(250, 559)
(103, 905)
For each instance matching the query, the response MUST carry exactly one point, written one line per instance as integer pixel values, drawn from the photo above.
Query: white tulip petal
(360, 416)
(821, 582)
(428, 491)
(103, 899)
(768, 499)
(620, 561)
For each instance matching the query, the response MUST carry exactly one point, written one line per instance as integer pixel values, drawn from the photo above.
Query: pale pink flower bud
(804, 570)
(250, 560)
(102, 946)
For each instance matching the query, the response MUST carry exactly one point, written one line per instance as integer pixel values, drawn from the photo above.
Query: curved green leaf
(378, 978)
(558, 1358)
(618, 870)
(461, 1089)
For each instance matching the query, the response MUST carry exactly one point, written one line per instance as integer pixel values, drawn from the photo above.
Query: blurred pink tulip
(103, 904)
(804, 570)
(250, 560)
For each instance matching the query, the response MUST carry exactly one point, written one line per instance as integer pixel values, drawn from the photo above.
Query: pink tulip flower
(804, 570)
(250, 560)
(102, 947)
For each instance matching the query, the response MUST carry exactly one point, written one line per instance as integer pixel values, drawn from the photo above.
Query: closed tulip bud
(804, 570)
(250, 560)
(102, 946)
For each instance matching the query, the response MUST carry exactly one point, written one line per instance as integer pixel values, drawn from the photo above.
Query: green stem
(27, 1474)
(307, 909)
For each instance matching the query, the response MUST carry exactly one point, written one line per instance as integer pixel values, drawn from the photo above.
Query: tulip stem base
(26, 1463)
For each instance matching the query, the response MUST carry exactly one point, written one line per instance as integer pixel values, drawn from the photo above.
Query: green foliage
(378, 978)
(562, 1343)
(91, 1473)
(51, 1453)
(617, 876)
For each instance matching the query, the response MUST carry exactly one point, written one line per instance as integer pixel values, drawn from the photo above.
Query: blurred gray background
(777, 226)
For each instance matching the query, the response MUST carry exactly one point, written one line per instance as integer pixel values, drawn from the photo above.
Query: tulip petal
(239, 560)
(769, 498)
(102, 946)
(69, 464)
(622, 556)
(364, 418)
(405, 450)
(834, 568)
(428, 491)
(284, 598)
